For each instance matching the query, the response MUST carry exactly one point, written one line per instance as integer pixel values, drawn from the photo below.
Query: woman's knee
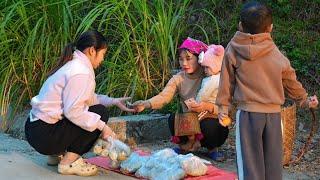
(214, 133)
(101, 110)
(209, 126)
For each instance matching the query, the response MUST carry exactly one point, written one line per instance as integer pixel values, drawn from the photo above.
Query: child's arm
(293, 88)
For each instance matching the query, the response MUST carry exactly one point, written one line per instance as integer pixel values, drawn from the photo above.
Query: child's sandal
(78, 167)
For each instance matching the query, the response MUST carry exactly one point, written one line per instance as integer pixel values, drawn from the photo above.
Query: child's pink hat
(194, 46)
(212, 58)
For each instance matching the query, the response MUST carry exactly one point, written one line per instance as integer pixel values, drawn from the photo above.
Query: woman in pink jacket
(67, 116)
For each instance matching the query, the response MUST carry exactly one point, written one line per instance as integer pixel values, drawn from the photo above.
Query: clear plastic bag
(116, 150)
(174, 173)
(119, 147)
(101, 148)
(163, 164)
(143, 172)
(164, 153)
(133, 163)
(194, 166)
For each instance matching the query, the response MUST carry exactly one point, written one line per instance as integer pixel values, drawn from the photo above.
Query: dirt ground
(307, 168)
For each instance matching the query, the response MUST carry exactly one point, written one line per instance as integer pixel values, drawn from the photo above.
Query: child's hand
(201, 106)
(224, 119)
(313, 101)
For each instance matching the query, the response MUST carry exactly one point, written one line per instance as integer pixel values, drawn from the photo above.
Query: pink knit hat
(194, 46)
(212, 58)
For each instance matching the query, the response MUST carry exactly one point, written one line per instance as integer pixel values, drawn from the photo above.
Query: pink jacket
(69, 92)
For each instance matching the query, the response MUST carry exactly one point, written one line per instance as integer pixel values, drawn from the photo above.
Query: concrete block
(140, 128)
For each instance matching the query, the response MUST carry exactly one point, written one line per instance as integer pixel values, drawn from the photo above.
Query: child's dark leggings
(214, 134)
(259, 145)
(63, 136)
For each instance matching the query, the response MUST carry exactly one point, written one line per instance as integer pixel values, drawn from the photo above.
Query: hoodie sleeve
(293, 88)
(226, 85)
(75, 108)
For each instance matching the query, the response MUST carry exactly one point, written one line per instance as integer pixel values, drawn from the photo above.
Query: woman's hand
(121, 104)
(139, 106)
(107, 132)
(201, 106)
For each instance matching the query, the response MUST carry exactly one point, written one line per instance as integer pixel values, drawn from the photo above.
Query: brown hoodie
(257, 75)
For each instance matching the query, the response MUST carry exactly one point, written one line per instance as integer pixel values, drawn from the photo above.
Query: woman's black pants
(63, 136)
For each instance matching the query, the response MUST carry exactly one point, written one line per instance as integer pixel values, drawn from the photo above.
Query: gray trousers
(259, 146)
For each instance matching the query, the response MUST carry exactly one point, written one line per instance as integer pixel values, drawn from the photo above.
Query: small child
(211, 61)
(257, 75)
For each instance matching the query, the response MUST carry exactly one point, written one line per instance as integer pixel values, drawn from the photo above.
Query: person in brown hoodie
(256, 75)
(186, 84)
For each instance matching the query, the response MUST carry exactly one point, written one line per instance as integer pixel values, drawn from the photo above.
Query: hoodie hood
(252, 46)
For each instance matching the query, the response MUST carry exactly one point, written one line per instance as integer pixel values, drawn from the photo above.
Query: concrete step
(140, 128)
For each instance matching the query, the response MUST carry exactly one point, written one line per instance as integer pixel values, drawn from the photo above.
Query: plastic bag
(116, 150)
(175, 173)
(133, 163)
(163, 164)
(194, 166)
(164, 153)
(143, 172)
(101, 148)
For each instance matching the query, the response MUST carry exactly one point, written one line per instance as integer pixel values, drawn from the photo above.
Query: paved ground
(19, 161)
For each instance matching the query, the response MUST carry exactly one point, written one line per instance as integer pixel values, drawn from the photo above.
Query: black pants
(214, 133)
(50, 139)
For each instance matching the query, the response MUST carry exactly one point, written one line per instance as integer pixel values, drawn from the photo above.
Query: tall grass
(32, 34)
(143, 36)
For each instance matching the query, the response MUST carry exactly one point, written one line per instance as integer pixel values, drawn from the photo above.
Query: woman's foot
(78, 167)
(196, 146)
(177, 150)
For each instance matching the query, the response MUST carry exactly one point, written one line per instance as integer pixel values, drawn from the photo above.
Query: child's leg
(249, 145)
(272, 146)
